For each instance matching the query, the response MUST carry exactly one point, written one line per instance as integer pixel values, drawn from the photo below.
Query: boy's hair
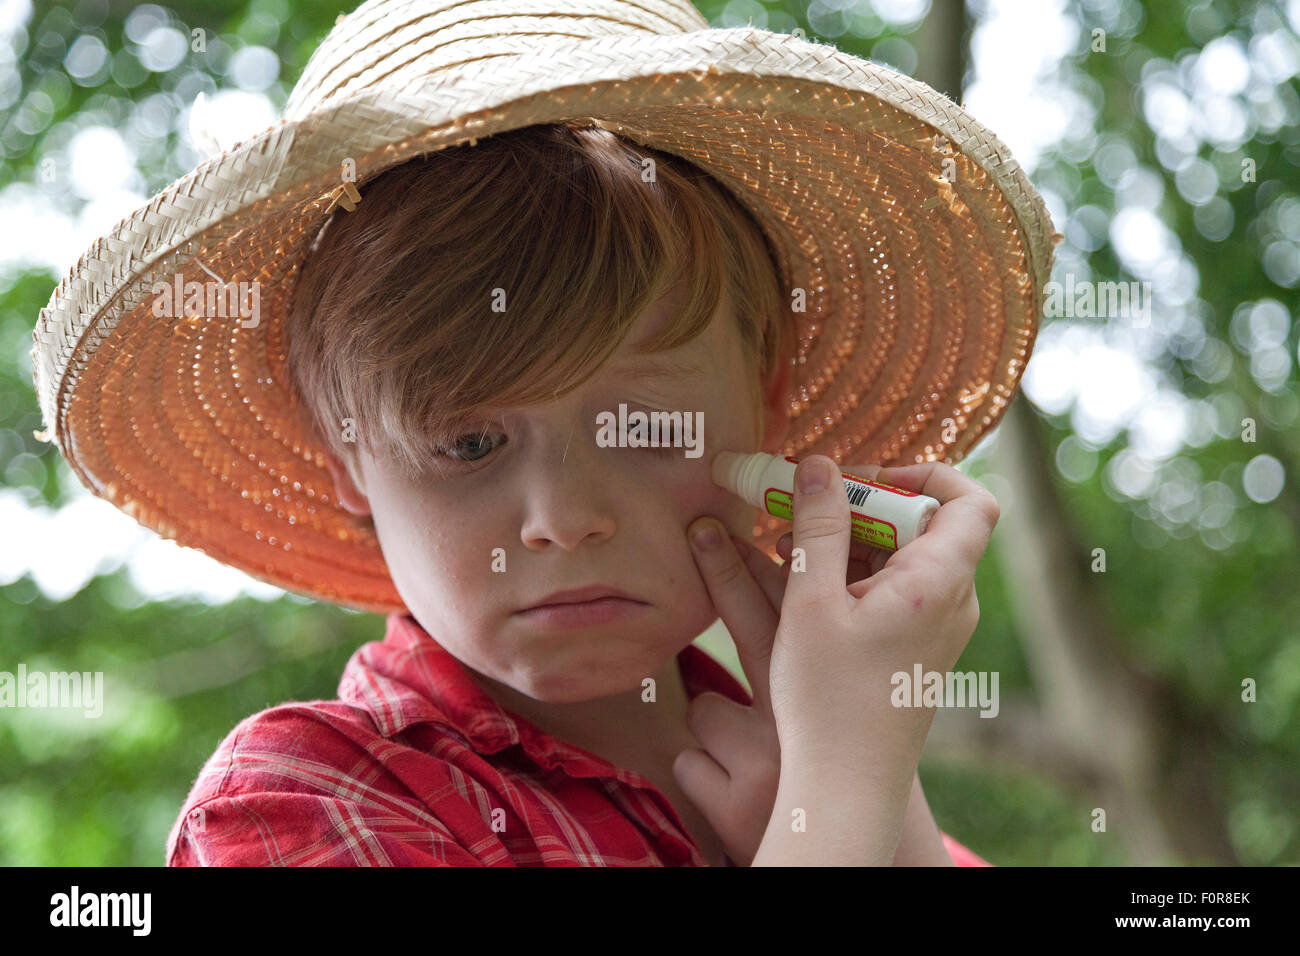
(393, 324)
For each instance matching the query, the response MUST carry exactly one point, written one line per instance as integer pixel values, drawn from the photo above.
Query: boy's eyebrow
(656, 367)
(647, 367)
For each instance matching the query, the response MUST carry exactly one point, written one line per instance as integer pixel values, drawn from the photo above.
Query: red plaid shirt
(414, 765)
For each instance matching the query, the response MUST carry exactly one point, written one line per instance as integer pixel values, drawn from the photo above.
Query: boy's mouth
(584, 607)
(592, 593)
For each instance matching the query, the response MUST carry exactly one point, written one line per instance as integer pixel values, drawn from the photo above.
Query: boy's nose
(569, 495)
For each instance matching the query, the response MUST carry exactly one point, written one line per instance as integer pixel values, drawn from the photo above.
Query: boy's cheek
(700, 496)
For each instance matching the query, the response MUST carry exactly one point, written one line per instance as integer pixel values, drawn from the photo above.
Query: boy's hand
(838, 649)
(733, 781)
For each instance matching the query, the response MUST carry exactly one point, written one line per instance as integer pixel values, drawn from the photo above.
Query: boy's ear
(351, 497)
(776, 405)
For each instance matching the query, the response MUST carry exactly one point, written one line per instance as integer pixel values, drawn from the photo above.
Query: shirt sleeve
(302, 829)
(960, 854)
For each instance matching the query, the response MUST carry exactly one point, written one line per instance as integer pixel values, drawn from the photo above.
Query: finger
(864, 560)
(765, 571)
(938, 479)
(743, 606)
(960, 530)
(724, 727)
(859, 551)
(821, 530)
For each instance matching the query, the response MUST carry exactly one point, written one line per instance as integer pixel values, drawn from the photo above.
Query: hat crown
(392, 44)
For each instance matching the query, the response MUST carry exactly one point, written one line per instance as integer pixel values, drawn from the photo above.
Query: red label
(876, 484)
(866, 481)
(873, 531)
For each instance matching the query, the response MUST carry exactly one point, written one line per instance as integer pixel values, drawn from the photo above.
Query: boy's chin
(577, 689)
(593, 679)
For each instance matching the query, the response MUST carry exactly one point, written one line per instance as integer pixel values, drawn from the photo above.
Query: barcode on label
(857, 493)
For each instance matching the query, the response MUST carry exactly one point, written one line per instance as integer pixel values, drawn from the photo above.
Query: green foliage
(1013, 818)
(105, 791)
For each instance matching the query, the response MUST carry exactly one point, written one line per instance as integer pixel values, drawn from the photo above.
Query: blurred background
(1139, 598)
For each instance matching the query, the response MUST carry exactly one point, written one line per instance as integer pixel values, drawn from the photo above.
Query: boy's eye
(475, 446)
(671, 434)
(470, 446)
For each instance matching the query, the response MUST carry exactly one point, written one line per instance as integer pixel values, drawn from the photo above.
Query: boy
(541, 222)
(426, 756)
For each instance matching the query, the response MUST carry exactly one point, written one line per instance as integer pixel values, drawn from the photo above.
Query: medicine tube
(880, 515)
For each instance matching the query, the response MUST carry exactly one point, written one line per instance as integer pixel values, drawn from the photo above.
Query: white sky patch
(1102, 382)
(1016, 47)
(100, 160)
(216, 123)
(63, 549)
(14, 14)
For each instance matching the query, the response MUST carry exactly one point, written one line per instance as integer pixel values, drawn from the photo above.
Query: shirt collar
(409, 677)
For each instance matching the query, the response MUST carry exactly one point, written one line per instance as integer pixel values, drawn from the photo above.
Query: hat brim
(920, 243)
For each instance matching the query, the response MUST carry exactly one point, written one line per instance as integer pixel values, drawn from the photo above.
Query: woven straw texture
(923, 294)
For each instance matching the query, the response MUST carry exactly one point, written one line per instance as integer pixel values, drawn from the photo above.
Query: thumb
(821, 529)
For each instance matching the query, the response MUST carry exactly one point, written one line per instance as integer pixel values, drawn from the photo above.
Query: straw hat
(920, 245)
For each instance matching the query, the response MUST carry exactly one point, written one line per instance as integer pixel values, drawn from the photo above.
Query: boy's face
(557, 511)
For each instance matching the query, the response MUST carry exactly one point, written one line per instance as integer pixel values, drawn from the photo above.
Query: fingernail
(706, 538)
(813, 476)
